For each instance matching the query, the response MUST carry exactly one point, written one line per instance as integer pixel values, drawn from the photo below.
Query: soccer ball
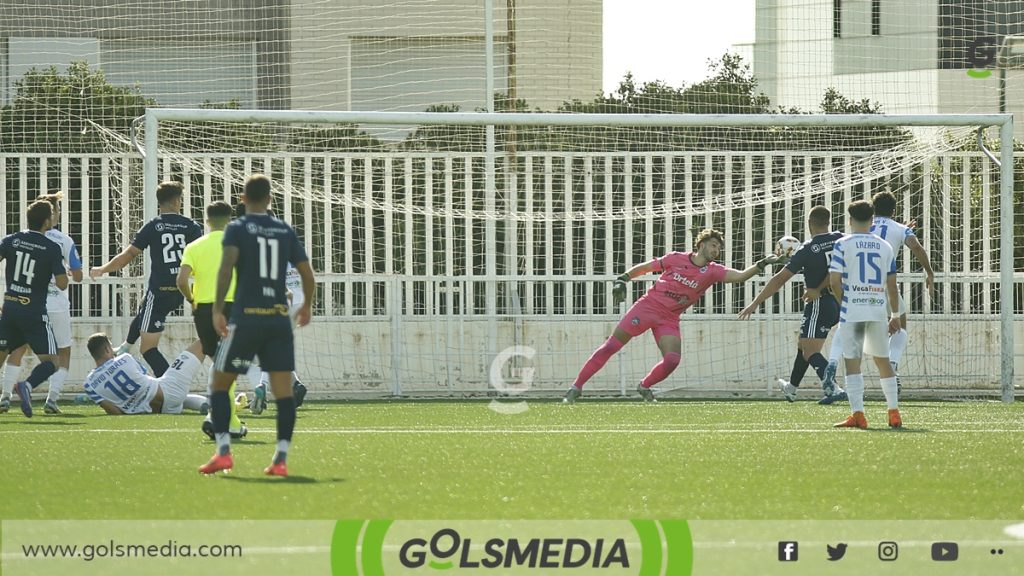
(241, 401)
(787, 245)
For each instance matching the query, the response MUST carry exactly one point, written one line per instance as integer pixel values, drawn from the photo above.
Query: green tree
(67, 113)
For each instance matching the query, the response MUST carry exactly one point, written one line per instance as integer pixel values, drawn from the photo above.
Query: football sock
(11, 373)
(220, 410)
(56, 383)
(889, 389)
(134, 331)
(40, 373)
(836, 350)
(799, 369)
(253, 374)
(897, 344)
(156, 361)
(236, 423)
(194, 402)
(819, 363)
(855, 390)
(281, 454)
(285, 426)
(661, 370)
(597, 360)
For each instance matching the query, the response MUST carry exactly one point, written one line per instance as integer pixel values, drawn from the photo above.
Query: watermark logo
(520, 378)
(511, 547)
(447, 549)
(981, 55)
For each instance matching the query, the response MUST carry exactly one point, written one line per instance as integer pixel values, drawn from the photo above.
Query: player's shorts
(202, 316)
(155, 308)
(273, 341)
(644, 315)
(176, 382)
(60, 323)
(16, 330)
(819, 317)
(871, 338)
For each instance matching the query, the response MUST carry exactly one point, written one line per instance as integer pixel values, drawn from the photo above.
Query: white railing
(385, 268)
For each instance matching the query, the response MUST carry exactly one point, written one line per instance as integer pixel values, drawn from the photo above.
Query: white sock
(282, 451)
(897, 345)
(837, 349)
(56, 383)
(889, 388)
(295, 377)
(223, 442)
(265, 378)
(855, 389)
(253, 374)
(194, 402)
(10, 378)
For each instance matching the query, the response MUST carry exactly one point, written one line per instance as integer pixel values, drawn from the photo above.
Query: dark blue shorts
(155, 307)
(819, 317)
(273, 341)
(17, 330)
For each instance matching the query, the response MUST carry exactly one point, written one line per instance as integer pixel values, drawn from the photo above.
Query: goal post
(505, 219)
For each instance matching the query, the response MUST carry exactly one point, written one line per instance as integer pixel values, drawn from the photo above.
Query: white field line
(378, 430)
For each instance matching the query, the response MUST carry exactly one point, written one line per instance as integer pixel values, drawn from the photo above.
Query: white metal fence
(410, 237)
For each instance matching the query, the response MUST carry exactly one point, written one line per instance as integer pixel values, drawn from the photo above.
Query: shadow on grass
(41, 422)
(285, 480)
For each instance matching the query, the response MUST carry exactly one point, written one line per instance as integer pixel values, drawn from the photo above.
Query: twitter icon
(837, 552)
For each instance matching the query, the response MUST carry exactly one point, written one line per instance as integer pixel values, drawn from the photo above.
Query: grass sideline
(687, 459)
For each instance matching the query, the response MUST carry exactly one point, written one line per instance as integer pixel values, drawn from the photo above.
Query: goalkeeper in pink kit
(685, 276)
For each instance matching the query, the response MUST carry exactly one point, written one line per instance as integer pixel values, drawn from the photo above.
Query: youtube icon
(945, 551)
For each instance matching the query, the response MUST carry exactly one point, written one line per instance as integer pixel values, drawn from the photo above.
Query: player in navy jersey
(166, 237)
(821, 311)
(32, 260)
(258, 248)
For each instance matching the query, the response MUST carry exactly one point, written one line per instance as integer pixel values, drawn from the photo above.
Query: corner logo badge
(981, 56)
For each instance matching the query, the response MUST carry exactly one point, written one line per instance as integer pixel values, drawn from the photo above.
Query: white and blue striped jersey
(56, 299)
(865, 262)
(123, 381)
(891, 231)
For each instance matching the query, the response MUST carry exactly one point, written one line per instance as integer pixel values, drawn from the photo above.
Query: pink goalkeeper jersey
(682, 282)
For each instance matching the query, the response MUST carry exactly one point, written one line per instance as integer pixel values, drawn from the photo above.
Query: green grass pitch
(686, 459)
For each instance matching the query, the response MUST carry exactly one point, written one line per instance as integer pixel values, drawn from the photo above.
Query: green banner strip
(650, 546)
(344, 544)
(373, 547)
(678, 547)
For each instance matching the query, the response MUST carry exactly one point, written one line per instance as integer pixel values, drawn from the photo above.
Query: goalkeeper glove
(619, 289)
(770, 260)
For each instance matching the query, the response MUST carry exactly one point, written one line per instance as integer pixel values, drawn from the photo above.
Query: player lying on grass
(821, 310)
(120, 385)
(863, 277)
(685, 276)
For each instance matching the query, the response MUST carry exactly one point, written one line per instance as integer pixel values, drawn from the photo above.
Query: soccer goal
(462, 254)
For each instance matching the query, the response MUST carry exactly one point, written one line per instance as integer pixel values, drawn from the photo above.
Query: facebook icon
(788, 551)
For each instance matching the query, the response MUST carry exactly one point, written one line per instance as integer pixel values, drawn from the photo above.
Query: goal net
(447, 270)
